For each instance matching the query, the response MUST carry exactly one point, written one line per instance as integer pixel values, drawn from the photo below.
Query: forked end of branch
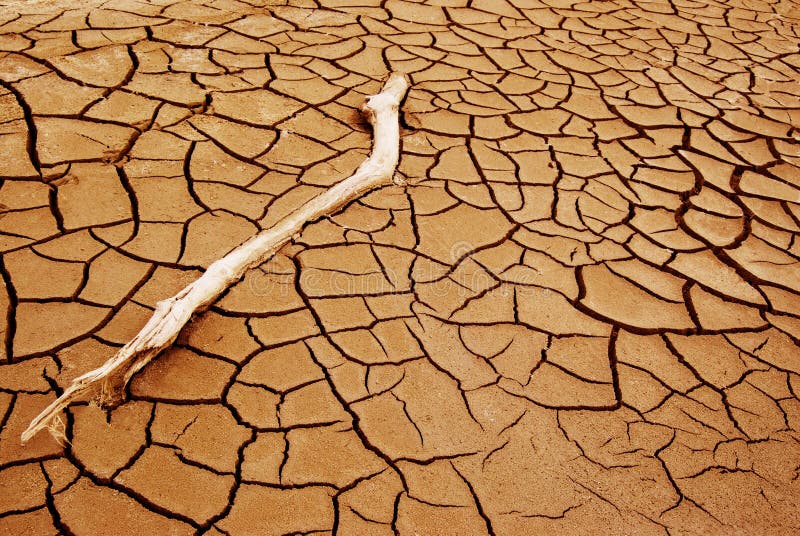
(394, 89)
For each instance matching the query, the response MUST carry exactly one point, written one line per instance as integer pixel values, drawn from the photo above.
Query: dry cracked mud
(581, 314)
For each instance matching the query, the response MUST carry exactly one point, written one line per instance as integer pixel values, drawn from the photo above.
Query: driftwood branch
(171, 315)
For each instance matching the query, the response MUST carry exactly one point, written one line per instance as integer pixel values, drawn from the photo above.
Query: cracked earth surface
(579, 316)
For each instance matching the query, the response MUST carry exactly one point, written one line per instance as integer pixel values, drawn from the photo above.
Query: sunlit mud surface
(580, 315)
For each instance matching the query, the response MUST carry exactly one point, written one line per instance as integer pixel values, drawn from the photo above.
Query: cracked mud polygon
(580, 314)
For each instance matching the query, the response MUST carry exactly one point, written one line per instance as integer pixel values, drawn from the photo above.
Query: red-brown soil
(581, 314)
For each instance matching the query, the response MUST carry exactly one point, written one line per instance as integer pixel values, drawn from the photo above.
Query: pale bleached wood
(171, 315)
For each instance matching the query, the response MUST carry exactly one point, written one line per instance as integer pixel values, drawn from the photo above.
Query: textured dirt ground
(580, 316)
